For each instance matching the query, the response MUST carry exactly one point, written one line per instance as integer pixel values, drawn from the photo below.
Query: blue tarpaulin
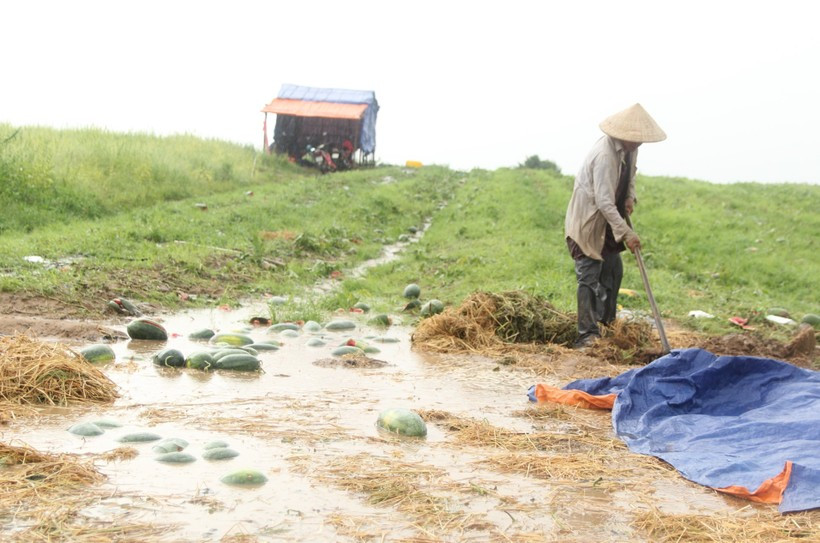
(744, 425)
(367, 137)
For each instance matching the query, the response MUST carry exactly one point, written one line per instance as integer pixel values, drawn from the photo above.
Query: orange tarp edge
(769, 491)
(579, 398)
(325, 110)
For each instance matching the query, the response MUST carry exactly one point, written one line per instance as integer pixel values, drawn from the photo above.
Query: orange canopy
(325, 110)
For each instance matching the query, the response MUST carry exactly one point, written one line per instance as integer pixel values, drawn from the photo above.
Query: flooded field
(493, 466)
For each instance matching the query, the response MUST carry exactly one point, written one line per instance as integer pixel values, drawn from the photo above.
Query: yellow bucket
(413, 164)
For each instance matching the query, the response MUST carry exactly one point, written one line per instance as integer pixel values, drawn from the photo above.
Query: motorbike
(343, 158)
(318, 157)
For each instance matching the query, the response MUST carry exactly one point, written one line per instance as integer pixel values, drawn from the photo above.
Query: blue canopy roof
(367, 140)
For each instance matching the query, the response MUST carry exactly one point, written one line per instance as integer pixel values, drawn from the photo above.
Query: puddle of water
(296, 409)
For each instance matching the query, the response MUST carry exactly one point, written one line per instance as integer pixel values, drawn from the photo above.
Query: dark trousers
(598, 284)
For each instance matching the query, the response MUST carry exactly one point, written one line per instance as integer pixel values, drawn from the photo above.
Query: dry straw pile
(488, 323)
(35, 373)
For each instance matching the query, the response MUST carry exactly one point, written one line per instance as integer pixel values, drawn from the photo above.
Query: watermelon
(412, 291)
(386, 339)
(346, 349)
(86, 429)
(261, 346)
(238, 362)
(171, 444)
(175, 458)
(811, 318)
(215, 445)
(200, 360)
(402, 421)
(341, 324)
(204, 333)
(143, 328)
(362, 306)
(121, 305)
(231, 338)
(312, 327)
(219, 453)
(278, 327)
(171, 358)
(380, 320)
(107, 423)
(433, 307)
(222, 353)
(412, 305)
(139, 437)
(315, 342)
(779, 312)
(245, 477)
(98, 353)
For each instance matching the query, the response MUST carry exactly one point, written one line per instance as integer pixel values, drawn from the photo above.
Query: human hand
(630, 206)
(632, 241)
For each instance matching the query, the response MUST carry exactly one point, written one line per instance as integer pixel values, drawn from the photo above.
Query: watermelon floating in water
(245, 477)
(143, 328)
(204, 333)
(402, 421)
(341, 324)
(278, 327)
(386, 339)
(346, 349)
(231, 338)
(86, 429)
(171, 358)
(171, 444)
(175, 458)
(312, 327)
(98, 353)
(219, 453)
(262, 346)
(107, 423)
(200, 360)
(238, 362)
(139, 437)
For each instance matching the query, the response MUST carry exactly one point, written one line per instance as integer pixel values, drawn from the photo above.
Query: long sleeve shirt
(593, 205)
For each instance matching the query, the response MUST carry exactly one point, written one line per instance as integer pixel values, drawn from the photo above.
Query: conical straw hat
(633, 124)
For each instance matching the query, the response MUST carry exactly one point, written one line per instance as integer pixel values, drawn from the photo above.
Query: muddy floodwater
(308, 425)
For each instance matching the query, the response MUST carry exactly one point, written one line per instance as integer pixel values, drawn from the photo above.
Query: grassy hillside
(180, 220)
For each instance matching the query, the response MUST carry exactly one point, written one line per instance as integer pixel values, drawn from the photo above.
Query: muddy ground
(493, 467)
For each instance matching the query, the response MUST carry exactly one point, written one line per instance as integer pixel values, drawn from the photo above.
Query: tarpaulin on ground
(742, 425)
(367, 133)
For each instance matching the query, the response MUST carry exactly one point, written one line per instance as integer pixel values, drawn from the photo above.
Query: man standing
(595, 226)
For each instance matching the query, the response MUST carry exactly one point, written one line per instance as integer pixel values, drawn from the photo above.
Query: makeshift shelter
(311, 116)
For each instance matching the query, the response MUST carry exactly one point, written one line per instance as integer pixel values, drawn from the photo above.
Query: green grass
(725, 249)
(122, 215)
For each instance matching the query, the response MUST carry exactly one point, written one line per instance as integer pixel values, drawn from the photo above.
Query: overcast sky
(735, 84)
